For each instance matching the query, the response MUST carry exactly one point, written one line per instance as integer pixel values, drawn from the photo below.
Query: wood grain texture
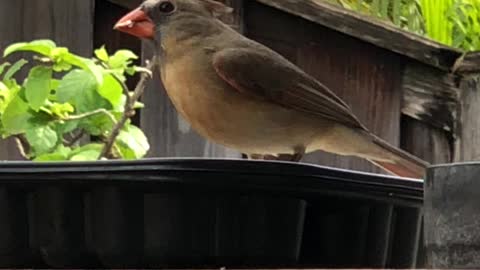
(431, 144)
(371, 31)
(235, 20)
(468, 64)
(430, 105)
(68, 22)
(430, 95)
(370, 82)
(10, 14)
(468, 129)
(130, 4)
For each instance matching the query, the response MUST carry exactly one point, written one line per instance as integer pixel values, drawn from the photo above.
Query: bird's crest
(216, 8)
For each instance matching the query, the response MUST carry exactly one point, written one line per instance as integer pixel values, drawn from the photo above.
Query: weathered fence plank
(426, 142)
(372, 31)
(430, 95)
(468, 123)
(235, 20)
(10, 15)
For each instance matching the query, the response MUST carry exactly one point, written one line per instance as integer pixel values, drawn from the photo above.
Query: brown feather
(287, 86)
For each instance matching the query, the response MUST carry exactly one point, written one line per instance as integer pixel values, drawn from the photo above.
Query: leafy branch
(129, 106)
(89, 114)
(66, 97)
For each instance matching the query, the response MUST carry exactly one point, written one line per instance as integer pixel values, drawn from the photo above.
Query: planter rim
(454, 164)
(210, 163)
(237, 175)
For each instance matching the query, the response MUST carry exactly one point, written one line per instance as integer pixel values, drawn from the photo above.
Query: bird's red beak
(136, 23)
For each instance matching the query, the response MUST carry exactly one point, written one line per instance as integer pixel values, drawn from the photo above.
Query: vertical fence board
(468, 133)
(425, 141)
(11, 19)
(236, 19)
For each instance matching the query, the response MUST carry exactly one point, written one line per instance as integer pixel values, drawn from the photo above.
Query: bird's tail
(401, 163)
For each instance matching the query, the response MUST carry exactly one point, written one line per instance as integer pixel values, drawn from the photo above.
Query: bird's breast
(195, 91)
(219, 112)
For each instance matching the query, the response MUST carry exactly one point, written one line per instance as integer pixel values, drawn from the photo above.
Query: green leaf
(89, 152)
(4, 96)
(43, 47)
(63, 127)
(102, 54)
(37, 86)
(88, 155)
(16, 118)
(111, 90)
(132, 143)
(59, 53)
(73, 84)
(14, 69)
(87, 65)
(58, 57)
(121, 59)
(62, 153)
(54, 84)
(3, 88)
(7, 93)
(97, 125)
(50, 157)
(3, 66)
(61, 67)
(61, 110)
(42, 139)
(79, 88)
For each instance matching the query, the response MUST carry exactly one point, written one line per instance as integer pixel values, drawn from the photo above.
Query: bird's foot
(296, 157)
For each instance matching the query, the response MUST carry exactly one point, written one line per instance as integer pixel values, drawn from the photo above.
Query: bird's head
(147, 21)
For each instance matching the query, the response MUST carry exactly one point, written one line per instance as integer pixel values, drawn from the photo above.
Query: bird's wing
(267, 75)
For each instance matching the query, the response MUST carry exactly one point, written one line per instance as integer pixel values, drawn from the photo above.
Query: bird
(241, 94)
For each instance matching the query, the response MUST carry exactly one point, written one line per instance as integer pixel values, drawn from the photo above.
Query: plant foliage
(451, 22)
(65, 100)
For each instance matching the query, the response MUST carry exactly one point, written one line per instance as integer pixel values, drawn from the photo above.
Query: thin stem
(129, 106)
(22, 144)
(90, 114)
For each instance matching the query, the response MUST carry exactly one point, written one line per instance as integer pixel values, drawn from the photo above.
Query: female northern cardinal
(239, 93)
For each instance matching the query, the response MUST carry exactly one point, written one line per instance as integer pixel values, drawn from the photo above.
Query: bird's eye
(166, 7)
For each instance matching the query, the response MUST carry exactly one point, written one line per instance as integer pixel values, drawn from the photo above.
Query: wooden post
(452, 214)
(468, 124)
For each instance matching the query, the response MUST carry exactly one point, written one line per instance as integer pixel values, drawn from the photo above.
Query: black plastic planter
(205, 213)
(452, 216)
